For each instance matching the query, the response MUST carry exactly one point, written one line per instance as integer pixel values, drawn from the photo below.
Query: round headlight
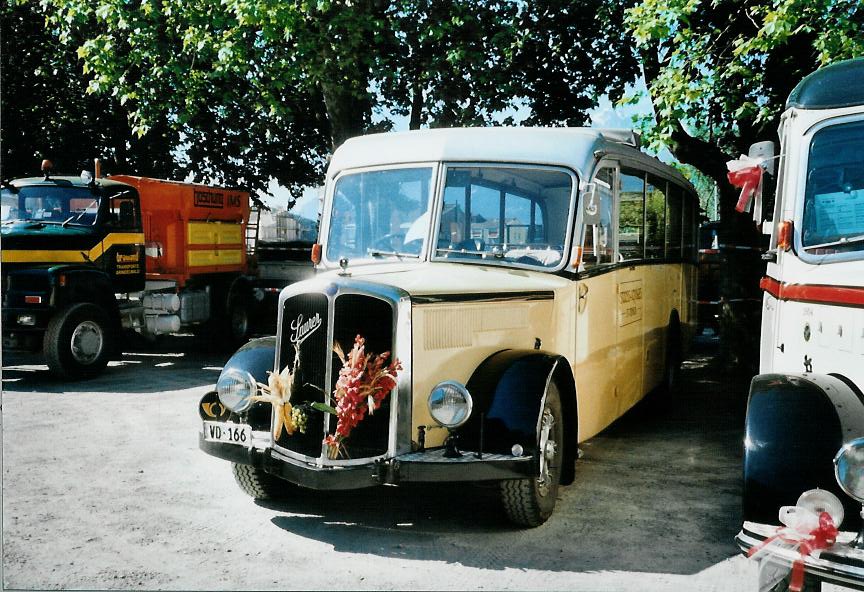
(235, 389)
(450, 404)
(849, 468)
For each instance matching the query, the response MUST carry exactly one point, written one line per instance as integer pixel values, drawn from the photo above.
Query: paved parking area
(104, 488)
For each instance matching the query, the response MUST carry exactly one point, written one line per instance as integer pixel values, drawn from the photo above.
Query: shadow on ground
(174, 362)
(658, 491)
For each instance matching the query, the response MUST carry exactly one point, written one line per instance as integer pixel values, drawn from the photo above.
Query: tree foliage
(258, 89)
(46, 112)
(719, 72)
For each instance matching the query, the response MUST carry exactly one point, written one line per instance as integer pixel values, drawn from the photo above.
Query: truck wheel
(259, 484)
(529, 502)
(238, 321)
(79, 341)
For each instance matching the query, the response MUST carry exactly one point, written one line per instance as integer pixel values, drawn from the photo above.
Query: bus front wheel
(530, 502)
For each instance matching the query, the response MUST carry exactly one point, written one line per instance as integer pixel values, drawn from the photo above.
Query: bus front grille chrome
(315, 326)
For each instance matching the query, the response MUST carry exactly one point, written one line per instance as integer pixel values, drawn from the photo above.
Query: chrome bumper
(841, 564)
(429, 466)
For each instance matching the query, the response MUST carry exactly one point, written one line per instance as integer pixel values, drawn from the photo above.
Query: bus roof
(574, 148)
(834, 86)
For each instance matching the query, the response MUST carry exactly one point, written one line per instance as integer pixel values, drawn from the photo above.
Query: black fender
(795, 425)
(74, 284)
(507, 391)
(256, 357)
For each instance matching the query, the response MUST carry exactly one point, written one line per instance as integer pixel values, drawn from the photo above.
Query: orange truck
(84, 258)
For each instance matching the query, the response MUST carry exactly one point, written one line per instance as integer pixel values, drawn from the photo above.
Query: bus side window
(674, 218)
(631, 215)
(689, 234)
(655, 218)
(598, 248)
(123, 213)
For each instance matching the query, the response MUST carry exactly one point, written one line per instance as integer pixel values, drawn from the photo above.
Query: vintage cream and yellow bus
(533, 284)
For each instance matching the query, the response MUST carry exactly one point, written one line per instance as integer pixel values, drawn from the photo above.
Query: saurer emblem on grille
(302, 329)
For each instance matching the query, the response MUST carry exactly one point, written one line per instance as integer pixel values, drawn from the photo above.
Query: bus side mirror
(592, 204)
(763, 151)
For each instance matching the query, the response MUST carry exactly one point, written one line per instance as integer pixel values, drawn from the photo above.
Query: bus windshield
(51, 205)
(834, 197)
(516, 215)
(382, 214)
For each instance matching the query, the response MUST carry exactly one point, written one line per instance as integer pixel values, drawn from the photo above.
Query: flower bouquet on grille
(365, 380)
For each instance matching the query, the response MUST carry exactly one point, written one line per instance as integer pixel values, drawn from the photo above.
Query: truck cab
(69, 244)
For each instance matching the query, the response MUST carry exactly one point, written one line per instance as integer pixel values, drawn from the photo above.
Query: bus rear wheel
(530, 502)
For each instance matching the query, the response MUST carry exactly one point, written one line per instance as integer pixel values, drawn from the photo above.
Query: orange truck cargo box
(191, 229)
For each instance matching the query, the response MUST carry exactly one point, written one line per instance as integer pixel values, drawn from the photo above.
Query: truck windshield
(834, 199)
(51, 204)
(503, 214)
(382, 214)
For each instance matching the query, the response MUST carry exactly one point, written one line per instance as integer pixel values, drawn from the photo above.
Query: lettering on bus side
(209, 199)
(629, 302)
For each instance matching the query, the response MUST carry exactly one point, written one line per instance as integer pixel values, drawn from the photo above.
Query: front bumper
(417, 467)
(841, 564)
(18, 337)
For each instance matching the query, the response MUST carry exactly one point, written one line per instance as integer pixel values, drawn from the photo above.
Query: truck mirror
(763, 151)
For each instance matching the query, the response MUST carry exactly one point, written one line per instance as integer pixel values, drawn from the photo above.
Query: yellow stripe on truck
(215, 233)
(211, 258)
(72, 255)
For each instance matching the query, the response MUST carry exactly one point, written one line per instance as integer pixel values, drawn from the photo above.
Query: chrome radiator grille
(315, 323)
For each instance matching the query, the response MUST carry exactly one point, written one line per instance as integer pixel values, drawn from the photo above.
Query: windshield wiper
(467, 252)
(380, 253)
(845, 241)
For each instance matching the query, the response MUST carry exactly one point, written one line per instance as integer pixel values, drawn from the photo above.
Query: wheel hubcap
(548, 451)
(87, 342)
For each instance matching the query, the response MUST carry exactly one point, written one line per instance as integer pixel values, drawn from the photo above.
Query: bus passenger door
(629, 289)
(596, 339)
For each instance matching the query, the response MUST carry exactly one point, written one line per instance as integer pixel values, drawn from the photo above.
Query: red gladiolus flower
(364, 382)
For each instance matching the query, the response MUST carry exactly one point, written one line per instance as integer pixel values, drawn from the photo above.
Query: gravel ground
(104, 488)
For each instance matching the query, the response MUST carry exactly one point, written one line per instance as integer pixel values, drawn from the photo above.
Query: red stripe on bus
(842, 295)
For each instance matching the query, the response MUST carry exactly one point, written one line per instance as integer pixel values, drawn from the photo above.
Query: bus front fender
(508, 389)
(795, 425)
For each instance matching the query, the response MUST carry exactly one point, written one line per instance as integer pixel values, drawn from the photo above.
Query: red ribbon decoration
(821, 537)
(749, 180)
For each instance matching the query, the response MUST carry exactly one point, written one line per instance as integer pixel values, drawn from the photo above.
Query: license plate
(228, 433)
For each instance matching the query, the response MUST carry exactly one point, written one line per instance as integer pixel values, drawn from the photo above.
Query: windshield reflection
(504, 214)
(50, 205)
(380, 214)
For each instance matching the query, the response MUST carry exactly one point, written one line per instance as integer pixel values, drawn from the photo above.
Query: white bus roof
(575, 148)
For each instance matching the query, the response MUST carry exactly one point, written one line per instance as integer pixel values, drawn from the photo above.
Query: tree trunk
(417, 117)
(349, 114)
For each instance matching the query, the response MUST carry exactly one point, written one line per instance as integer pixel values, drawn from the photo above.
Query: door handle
(583, 296)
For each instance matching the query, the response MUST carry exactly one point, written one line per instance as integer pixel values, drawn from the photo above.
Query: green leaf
(324, 408)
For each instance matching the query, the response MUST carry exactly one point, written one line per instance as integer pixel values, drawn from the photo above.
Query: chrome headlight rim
(844, 456)
(462, 390)
(237, 404)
